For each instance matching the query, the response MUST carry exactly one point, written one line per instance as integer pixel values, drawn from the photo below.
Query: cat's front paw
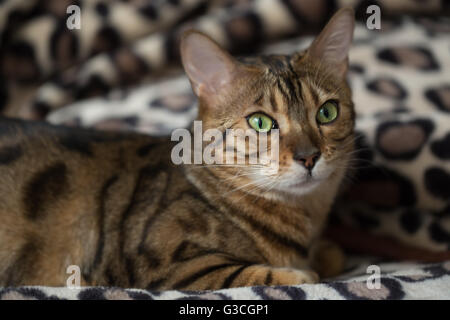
(286, 276)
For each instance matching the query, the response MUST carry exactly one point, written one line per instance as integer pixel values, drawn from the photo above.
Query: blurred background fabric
(121, 71)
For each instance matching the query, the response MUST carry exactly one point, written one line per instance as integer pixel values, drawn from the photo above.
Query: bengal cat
(117, 206)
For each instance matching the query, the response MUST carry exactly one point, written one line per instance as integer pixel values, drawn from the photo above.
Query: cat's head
(305, 96)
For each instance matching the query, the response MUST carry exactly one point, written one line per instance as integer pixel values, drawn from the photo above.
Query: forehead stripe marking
(297, 82)
(290, 86)
(282, 90)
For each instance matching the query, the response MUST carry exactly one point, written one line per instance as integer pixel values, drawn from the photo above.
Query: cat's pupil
(260, 122)
(326, 113)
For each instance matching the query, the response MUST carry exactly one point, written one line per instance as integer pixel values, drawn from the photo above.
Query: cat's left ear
(333, 43)
(209, 68)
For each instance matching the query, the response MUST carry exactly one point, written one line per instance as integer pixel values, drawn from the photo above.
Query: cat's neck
(314, 205)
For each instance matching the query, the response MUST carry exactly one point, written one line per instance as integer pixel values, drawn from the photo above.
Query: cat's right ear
(209, 68)
(333, 43)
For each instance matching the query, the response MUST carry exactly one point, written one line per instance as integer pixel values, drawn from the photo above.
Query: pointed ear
(208, 67)
(333, 43)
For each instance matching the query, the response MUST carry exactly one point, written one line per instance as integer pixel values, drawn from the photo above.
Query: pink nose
(307, 161)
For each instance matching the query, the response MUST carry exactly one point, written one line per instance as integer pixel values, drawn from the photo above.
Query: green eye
(260, 122)
(327, 112)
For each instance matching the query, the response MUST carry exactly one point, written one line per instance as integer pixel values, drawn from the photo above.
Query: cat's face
(303, 99)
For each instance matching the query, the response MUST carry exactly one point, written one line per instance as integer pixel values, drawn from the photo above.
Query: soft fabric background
(121, 71)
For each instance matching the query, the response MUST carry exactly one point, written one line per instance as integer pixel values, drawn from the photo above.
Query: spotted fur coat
(120, 71)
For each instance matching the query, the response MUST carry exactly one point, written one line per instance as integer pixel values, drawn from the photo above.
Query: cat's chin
(303, 187)
(297, 189)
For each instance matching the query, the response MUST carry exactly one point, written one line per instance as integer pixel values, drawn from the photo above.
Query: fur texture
(115, 204)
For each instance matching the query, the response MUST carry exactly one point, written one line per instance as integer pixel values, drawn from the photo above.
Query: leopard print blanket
(398, 281)
(120, 71)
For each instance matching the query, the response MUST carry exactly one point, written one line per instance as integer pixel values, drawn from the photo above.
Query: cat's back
(58, 153)
(42, 163)
(57, 183)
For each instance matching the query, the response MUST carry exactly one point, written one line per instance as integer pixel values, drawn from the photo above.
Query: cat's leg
(327, 258)
(208, 273)
(255, 275)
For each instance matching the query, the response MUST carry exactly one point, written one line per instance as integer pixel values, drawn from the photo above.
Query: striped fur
(115, 205)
